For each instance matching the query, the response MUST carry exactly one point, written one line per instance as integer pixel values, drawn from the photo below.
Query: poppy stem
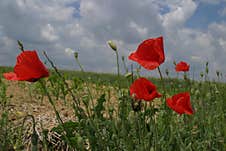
(118, 70)
(117, 58)
(163, 83)
(86, 84)
(34, 136)
(55, 110)
(132, 78)
(124, 64)
(64, 81)
(21, 47)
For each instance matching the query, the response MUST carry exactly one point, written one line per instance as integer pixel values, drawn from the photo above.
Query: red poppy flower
(150, 53)
(28, 68)
(182, 66)
(144, 89)
(180, 103)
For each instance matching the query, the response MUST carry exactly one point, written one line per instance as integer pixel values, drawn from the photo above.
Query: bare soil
(23, 100)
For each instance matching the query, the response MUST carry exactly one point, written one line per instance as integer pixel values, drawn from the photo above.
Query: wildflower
(144, 89)
(28, 68)
(180, 103)
(150, 53)
(182, 66)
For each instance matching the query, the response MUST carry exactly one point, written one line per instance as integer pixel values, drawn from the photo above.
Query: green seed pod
(112, 45)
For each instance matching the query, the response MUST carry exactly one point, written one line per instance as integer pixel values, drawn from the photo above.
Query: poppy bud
(197, 92)
(216, 90)
(123, 58)
(112, 45)
(136, 105)
(201, 74)
(207, 68)
(167, 72)
(21, 47)
(129, 74)
(218, 73)
(76, 55)
(69, 51)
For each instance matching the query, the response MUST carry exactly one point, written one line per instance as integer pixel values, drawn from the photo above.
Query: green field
(102, 116)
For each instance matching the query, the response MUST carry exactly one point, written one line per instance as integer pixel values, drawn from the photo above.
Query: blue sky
(205, 14)
(193, 31)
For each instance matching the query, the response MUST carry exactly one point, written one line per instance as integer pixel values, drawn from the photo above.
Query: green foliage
(126, 124)
(99, 108)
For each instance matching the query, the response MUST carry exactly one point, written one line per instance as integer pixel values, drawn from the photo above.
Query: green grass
(155, 128)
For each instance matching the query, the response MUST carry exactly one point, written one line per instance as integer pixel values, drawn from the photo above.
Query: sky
(194, 31)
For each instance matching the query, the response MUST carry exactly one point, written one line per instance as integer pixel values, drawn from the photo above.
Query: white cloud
(51, 25)
(218, 29)
(48, 33)
(179, 13)
(196, 58)
(141, 31)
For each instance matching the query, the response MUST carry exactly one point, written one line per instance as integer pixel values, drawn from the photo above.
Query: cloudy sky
(193, 30)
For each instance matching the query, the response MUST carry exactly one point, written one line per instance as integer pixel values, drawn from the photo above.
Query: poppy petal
(182, 66)
(149, 54)
(144, 89)
(28, 67)
(180, 103)
(10, 76)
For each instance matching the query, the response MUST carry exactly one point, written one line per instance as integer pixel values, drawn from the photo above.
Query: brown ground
(24, 101)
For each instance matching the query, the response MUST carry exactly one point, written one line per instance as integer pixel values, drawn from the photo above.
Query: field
(95, 112)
